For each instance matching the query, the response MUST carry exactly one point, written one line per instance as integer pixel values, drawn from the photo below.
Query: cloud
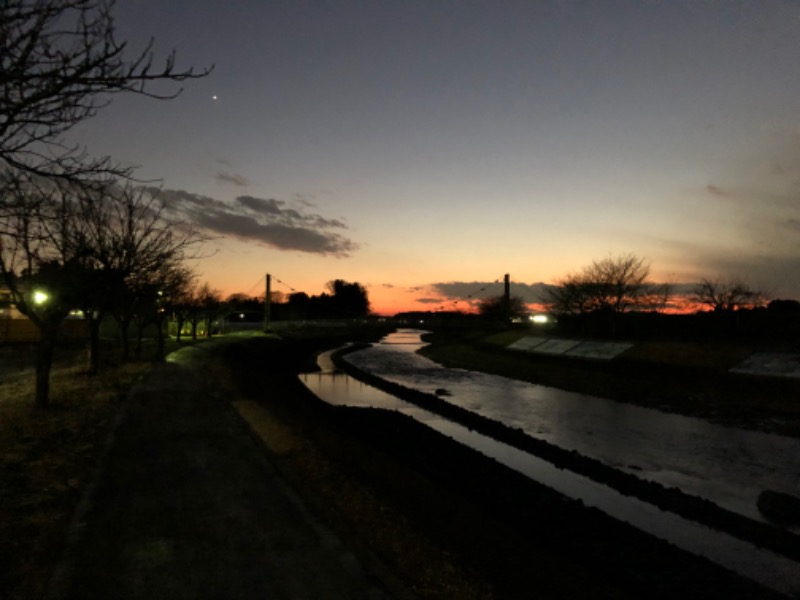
(232, 178)
(265, 221)
(715, 190)
(426, 300)
(473, 291)
(279, 209)
(753, 231)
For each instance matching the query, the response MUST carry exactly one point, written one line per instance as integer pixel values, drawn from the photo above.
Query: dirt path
(186, 506)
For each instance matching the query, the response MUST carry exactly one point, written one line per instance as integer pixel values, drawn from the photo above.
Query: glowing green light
(40, 297)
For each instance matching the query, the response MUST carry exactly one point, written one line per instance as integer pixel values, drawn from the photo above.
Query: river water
(727, 466)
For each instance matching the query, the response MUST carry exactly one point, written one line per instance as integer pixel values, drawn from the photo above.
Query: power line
(283, 283)
(483, 289)
(478, 291)
(259, 282)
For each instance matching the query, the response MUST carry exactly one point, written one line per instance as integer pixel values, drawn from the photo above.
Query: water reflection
(765, 567)
(728, 466)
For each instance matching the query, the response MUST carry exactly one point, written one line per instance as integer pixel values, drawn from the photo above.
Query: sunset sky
(423, 148)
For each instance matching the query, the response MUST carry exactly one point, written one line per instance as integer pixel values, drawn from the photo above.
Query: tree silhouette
(348, 300)
(725, 295)
(343, 300)
(60, 64)
(495, 307)
(614, 284)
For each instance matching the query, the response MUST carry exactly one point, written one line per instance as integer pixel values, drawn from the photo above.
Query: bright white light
(540, 319)
(39, 297)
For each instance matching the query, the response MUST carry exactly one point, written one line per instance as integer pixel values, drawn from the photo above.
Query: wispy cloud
(262, 220)
(232, 178)
(426, 300)
(750, 218)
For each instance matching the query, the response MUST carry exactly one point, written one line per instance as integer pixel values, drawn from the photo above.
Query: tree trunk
(44, 364)
(93, 349)
(159, 340)
(139, 335)
(179, 330)
(124, 341)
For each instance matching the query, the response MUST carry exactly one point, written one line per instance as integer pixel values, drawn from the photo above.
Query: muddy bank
(449, 521)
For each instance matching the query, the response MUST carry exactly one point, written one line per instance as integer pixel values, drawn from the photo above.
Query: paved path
(186, 505)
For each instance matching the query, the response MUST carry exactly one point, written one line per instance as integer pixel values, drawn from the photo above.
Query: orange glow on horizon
(387, 301)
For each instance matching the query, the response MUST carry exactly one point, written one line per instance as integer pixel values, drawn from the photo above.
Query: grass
(47, 457)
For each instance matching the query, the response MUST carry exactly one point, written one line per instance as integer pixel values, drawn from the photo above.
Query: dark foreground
(447, 521)
(329, 502)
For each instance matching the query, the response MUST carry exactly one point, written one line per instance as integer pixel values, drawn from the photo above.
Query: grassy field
(48, 457)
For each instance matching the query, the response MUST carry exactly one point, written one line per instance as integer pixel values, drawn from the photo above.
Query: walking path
(187, 505)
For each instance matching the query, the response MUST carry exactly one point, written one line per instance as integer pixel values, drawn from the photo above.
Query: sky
(425, 148)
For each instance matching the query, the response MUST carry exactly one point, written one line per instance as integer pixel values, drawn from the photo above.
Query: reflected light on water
(763, 566)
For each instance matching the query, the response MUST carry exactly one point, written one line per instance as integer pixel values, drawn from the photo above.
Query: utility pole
(267, 299)
(507, 297)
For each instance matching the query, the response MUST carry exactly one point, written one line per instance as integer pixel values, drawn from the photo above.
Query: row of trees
(106, 252)
(74, 232)
(340, 300)
(620, 284)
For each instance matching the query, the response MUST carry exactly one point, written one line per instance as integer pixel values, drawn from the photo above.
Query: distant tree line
(341, 300)
(614, 296)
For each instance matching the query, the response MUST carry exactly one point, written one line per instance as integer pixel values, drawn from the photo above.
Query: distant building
(8, 309)
(16, 327)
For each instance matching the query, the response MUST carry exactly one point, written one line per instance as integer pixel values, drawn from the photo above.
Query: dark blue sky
(414, 143)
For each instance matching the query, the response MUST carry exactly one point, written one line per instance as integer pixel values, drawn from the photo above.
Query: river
(725, 465)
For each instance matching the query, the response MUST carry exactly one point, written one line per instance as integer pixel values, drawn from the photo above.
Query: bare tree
(727, 294)
(615, 284)
(42, 264)
(210, 303)
(574, 294)
(180, 305)
(66, 248)
(141, 243)
(60, 63)
(156, 298)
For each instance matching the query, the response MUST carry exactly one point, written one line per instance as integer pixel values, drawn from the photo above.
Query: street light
(40, 297)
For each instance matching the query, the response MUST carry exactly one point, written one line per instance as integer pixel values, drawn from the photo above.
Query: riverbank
(691, 379)
(446, 521)
(450, 522)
